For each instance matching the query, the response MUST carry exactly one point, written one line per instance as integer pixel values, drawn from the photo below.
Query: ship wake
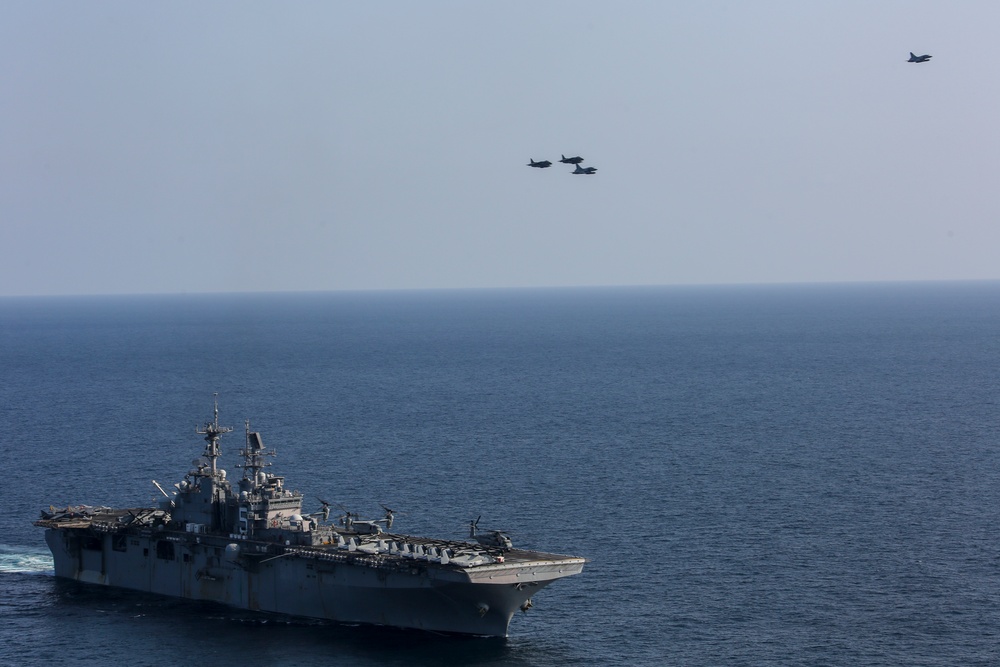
(25, 560)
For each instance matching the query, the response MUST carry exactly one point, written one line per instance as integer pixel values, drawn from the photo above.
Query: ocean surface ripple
(800, 475)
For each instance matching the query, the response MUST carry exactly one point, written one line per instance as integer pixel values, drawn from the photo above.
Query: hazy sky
(248, 146)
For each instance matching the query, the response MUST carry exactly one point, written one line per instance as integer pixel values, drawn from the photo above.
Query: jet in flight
(541, 164)
(571, 160)
(918, 59)
(585, 170)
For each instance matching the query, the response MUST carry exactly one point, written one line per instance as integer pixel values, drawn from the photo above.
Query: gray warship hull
(250, 546)
(331, 584)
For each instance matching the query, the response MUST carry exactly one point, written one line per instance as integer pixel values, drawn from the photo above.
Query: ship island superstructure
(249, 545)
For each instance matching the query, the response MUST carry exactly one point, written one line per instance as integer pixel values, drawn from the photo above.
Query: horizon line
(520, 288)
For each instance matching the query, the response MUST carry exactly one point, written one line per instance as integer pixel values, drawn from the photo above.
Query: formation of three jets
(542, 164)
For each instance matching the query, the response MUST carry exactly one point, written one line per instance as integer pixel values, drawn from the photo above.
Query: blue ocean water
(788, 475)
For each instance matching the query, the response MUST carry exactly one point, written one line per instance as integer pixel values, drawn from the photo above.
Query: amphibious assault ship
(249, 545)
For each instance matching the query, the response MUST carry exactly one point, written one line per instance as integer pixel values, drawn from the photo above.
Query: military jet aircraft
(590, 171)
(571, 160)
(541, 164)
(918, 59)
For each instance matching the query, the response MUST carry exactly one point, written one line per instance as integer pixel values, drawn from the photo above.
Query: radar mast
(253, 455)
(212, 433)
